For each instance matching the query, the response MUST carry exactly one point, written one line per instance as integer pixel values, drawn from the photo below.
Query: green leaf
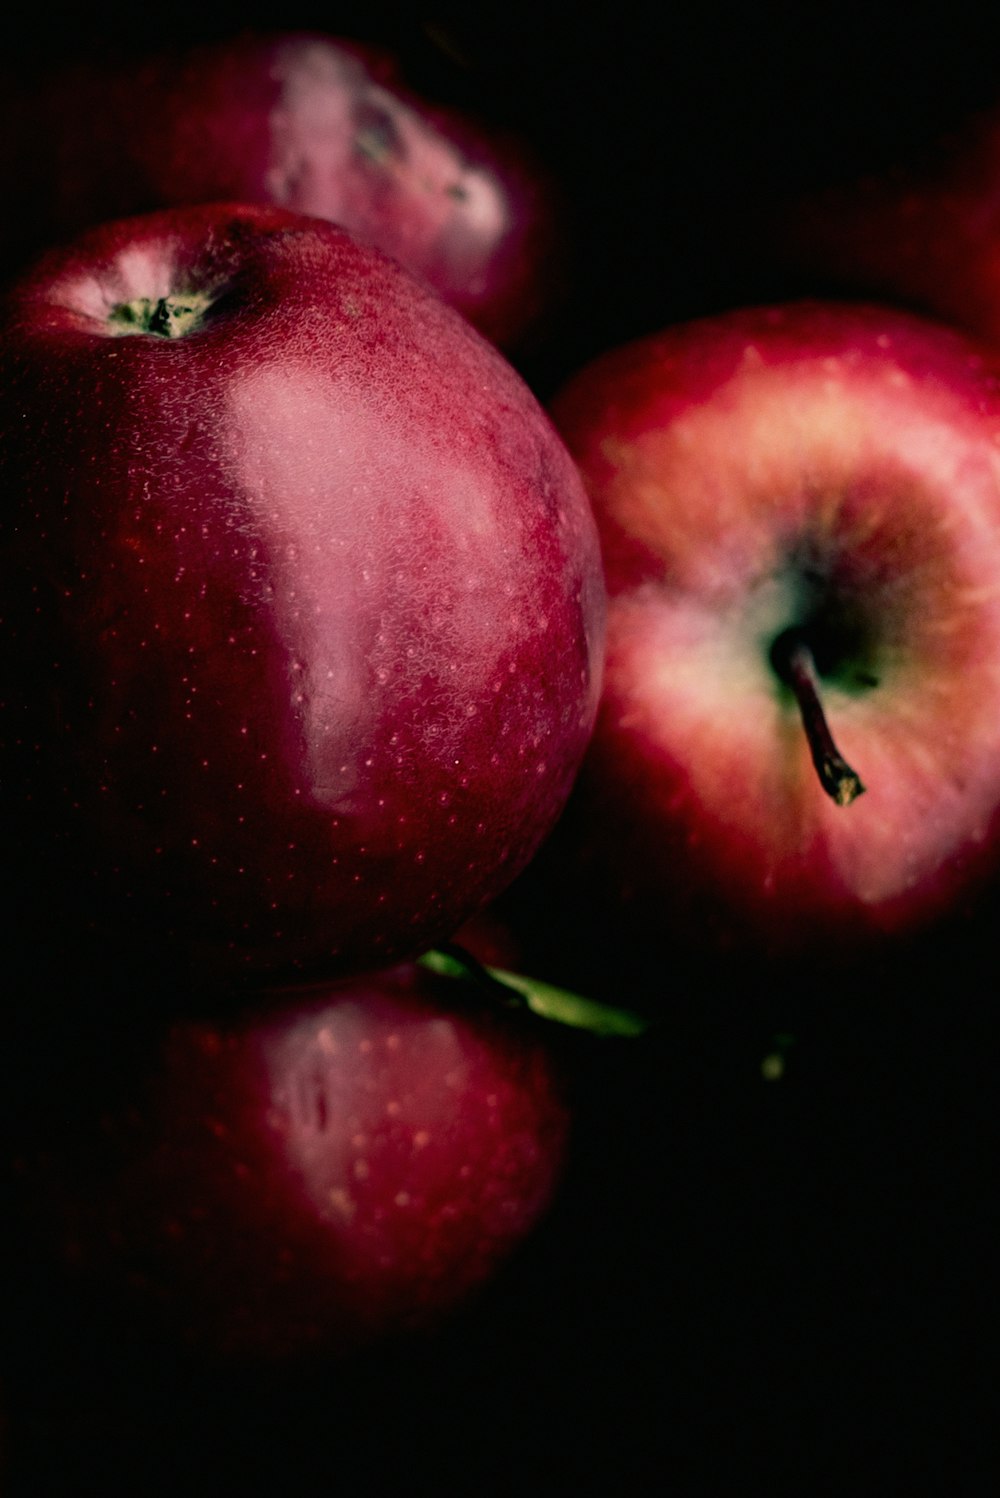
(549, 1002)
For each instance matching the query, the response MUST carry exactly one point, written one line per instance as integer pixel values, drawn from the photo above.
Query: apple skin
(347, 1163)
(828, 466)
(925, 233)
(302, 120)
(303, 609)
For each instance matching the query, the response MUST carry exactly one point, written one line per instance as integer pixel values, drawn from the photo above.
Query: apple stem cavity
(792, 658)
(164, 317)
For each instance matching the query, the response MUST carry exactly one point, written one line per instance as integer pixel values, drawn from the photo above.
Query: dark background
(744, 1283)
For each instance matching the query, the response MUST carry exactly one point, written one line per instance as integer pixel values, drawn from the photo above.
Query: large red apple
(303, 603)
(926, 233)
(800, 514)
(348, 1163)
(305, 121)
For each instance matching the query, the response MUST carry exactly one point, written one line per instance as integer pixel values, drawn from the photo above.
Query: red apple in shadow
(800, 515)
(303, 598)
(310, 122)
(926, 233)
(347, 1163)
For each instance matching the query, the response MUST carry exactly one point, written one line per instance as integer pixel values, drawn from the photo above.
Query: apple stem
(793, 660)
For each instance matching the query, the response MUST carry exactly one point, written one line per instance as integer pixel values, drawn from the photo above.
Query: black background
(744, 1284)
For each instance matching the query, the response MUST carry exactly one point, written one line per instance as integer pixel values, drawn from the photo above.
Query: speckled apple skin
(350, 1163)
(738, 466)
(301, 120)
(303, 610)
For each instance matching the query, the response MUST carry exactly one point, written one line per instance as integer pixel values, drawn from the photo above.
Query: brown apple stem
(798, 670)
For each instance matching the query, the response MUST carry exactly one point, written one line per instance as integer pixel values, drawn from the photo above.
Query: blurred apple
(307, 121)
(350, 1162)
(926, 233)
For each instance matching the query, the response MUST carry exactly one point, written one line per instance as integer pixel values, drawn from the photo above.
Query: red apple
(350, 1162)
(303, 602)
(310, 122)
(926, 233)
(800, 514)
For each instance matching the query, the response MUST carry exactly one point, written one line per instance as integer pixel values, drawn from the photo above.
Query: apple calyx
(164, 317)
(515, 991)
(793, 660)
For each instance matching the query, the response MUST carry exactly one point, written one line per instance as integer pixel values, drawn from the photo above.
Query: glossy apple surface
(304, 603)
(926, 233)
(350, 1162)
(830, 470)
(306, 121)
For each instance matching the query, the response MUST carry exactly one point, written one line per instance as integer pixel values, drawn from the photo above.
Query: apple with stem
(303, 120)
(798, 746)
(925, 233)
(303, 601)
(346, 1163)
